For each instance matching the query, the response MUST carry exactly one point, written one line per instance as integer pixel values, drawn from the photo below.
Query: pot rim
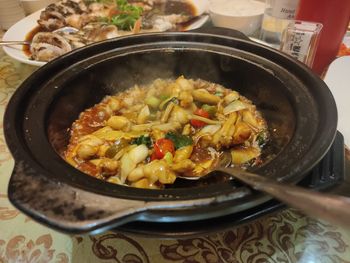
(319, 146)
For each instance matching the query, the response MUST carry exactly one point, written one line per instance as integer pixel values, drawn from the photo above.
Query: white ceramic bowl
(242, 15)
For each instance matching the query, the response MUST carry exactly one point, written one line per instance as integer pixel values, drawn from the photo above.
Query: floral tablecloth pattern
(286, 236)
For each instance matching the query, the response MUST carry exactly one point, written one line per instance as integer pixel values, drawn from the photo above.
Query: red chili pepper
(113, 12)
(161, 147)
(198, 123)
(153, 156)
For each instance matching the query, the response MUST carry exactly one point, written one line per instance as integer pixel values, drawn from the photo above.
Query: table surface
(284, 236)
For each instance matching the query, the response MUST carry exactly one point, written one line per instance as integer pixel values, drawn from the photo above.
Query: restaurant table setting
(249, 227)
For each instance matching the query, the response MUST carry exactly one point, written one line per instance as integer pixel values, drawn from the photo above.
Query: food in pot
(96, 20)
(149, 135)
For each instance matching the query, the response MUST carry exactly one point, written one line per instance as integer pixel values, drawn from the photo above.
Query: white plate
(338, 80)
(19, 31)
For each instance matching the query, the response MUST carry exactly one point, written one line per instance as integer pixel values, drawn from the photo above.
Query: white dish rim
(22, 28)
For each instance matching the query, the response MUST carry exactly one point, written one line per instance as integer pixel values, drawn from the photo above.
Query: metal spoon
(11, 43)
(66, 29)
(332, 208)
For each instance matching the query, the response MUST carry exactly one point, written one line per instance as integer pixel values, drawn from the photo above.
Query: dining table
(282, 235)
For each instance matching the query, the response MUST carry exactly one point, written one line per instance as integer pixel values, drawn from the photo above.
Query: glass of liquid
(277, 16)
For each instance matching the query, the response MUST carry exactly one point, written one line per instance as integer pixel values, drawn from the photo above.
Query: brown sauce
(179, 7)
(176, 7)
(29, 37)
(90, 121)
(186, 25)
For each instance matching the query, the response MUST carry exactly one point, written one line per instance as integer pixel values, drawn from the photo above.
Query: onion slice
(206, 120)
(236, 105)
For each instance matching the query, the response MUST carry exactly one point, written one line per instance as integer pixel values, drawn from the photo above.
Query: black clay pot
(298, 106)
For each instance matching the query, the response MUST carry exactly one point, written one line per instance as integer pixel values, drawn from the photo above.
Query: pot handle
(73, 210)
(63, 207)
(221, 31)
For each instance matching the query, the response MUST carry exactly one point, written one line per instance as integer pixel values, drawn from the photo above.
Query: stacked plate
(10, 13)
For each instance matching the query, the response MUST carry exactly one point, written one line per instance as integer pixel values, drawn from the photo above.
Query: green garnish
(111, 151)
(210, 109)
(168, 157)
(153, 102)
(261, 139)
(143, 139)
(163, 97)
(179, 140)
(126, 15)
(116, 147)
(165, 103)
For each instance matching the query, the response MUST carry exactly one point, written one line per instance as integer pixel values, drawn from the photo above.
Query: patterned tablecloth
(286, 236)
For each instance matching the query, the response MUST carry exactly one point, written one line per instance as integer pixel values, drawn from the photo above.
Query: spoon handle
(10, 43)
(332, 208)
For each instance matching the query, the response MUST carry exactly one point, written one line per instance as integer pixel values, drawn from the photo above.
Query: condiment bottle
(300, 40)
